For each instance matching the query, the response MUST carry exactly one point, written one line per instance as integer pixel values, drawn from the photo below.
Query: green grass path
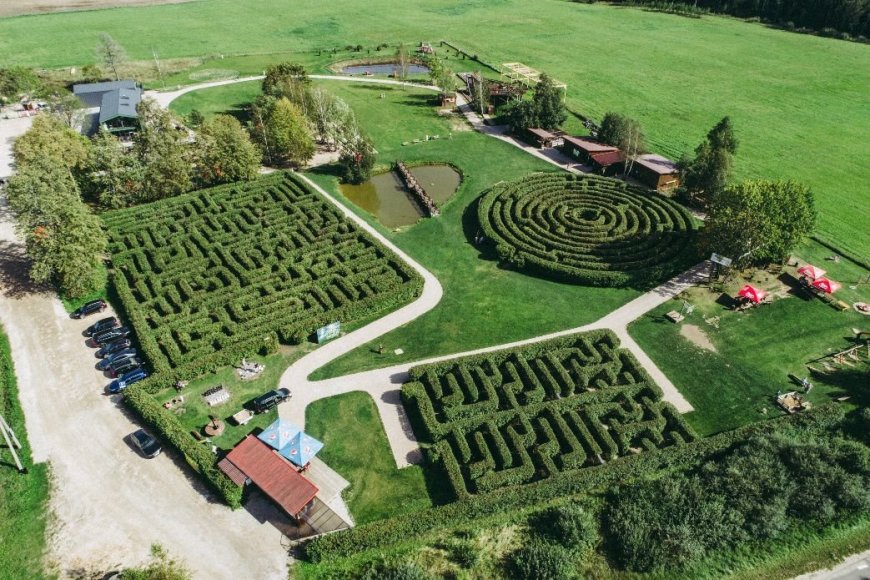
(23, 497)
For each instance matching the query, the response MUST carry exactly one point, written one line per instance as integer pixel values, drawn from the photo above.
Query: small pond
(385, 196)
(383, 68)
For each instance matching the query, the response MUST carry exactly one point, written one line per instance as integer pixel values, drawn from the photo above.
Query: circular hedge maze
(587, 230)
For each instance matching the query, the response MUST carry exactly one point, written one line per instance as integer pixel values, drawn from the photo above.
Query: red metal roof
(608, 158)
(273, 474)
(589, 146)
(233, 472)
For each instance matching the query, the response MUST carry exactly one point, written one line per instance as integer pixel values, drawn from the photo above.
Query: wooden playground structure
(856, 354)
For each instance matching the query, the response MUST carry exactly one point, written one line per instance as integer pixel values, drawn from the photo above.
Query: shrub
(542, 560)
(570, 525)
(400, 570)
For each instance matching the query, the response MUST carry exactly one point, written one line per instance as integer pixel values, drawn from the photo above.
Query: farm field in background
(799, 103)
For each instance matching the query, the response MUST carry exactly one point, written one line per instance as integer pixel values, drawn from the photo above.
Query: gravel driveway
(109, 503)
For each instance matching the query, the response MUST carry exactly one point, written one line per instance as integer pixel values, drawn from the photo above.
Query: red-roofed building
(583, 149)
(608, 163)
(255, 462)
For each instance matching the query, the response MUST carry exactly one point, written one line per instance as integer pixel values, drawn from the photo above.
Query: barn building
(608, 163)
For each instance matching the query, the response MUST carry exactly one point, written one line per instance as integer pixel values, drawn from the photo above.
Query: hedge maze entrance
(540, 411)
(208, 277)
(587, 230)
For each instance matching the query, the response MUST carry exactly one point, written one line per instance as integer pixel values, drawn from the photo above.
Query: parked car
(102, 338)
(102, 325)
(124, 366)
(126, 380)
(91, 307)
(112, 347)
(114, 359)
(146, 443)
(265, 402)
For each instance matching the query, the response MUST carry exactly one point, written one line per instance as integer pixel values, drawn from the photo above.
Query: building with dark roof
(117, 101)
(583, 149)
(656, 172)
(607, 163)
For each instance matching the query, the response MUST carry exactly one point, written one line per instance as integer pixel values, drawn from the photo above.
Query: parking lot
(109, 503)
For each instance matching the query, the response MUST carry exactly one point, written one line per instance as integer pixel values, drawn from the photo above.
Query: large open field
(799, 103)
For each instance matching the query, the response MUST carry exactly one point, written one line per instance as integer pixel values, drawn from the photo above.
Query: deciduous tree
(161, 146)
(759, 221)
(64, 240)
(357, 159)
(225, 152)
(49, 137)
(549, 104)
(281, 130)
(624, 133)
(114, 175)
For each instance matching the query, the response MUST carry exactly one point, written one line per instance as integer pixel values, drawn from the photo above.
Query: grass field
(482, 304)
(23, 498)
(356, 446)
(756, 350)
(794, 99)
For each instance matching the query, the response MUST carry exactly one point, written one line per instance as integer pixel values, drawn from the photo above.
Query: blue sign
(328, 332)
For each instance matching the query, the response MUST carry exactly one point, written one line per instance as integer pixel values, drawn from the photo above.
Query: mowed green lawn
(800, 103)
(23, 497)
(482, 304)
(355, 445)
(757, 350)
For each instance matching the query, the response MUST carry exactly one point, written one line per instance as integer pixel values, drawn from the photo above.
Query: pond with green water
(386, 198)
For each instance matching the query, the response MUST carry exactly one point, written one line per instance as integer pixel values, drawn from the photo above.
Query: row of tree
(851, 17)
(291, 114)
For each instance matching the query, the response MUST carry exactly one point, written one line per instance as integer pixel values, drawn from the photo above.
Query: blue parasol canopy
(301, 449)
(279, 434)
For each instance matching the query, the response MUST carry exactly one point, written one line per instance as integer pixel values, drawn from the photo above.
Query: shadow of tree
(15, 279)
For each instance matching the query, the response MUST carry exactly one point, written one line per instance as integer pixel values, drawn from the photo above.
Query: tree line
(841, 18)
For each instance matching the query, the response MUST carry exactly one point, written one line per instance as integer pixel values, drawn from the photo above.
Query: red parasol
(752, 293)
(826, 285)
(811, 271)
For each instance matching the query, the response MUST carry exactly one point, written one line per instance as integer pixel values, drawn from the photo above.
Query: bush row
(491, 417)
(198, 455)
(207, 278)
(629, 236)
(400, 529)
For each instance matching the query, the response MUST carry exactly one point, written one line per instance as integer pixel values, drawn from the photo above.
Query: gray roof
(91, 94)
(657, 164)
(119, 103)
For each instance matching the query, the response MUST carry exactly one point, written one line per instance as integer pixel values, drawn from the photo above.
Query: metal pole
(7, 431)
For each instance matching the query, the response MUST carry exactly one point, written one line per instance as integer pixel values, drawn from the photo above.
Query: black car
(113, 347)
(91, 307)
(124, 366)
(102, 338)
(146, 443)
(101, 325)
(115, 359)
(265, 402)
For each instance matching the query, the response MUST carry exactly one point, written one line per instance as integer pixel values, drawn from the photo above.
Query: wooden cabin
(656, 172)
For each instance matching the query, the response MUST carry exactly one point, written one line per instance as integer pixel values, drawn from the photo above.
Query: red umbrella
(753, 293)
(811, 271)
(826, 285)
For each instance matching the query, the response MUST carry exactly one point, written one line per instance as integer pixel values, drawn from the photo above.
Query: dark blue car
(126, 380)
(113, 360)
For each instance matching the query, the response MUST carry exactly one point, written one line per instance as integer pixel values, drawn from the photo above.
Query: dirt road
(111, 504)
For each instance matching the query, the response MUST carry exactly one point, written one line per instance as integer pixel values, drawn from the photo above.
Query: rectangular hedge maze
(208, 277)
(545, 410)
